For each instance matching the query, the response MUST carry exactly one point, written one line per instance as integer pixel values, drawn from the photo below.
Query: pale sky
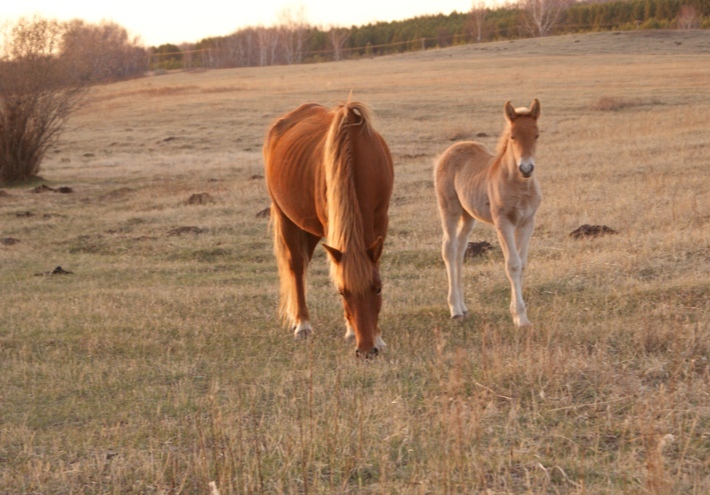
(158, 22)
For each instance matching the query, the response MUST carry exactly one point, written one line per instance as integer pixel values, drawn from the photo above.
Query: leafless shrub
(38, 93)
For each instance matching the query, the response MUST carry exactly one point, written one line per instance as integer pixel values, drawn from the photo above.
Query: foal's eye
(378, 291)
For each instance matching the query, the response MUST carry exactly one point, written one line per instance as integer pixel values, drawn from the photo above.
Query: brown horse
(330, 174)
(474, 184)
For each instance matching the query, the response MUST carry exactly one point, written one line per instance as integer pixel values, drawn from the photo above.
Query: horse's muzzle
(367, 355)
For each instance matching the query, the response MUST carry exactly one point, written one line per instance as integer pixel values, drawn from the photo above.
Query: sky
(158, 22)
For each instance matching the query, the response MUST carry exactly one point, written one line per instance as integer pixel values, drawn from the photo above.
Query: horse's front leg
(515, 254)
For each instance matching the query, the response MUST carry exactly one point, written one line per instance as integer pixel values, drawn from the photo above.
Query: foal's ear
(375, 251)
(535, 109)
(510, 113)
(334, 254)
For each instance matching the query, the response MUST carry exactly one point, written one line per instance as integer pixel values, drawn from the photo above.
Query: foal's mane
(345, 223)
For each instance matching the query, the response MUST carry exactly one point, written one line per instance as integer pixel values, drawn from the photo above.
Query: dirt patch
(265, 213)
(45, 188)
(9, 241)
(185, 230)
(200, 199)
(57, 271)
(476, 249)
(591, 231)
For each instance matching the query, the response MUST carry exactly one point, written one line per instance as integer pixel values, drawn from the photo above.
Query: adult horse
(330, 174)
(474, 184)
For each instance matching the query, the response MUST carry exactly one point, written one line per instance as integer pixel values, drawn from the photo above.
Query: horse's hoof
(302, 333)
(460, 317)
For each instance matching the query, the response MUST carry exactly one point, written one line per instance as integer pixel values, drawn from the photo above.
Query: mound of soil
(265, 213)
(45, 188)
(185, 230)
(9, 241)
(476, 249)
(57, 271)
(591, 231)
(200, 199)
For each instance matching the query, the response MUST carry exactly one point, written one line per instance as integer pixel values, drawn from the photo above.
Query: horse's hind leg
(293, 248)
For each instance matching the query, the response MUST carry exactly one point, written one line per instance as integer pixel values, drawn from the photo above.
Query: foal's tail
(345, 224)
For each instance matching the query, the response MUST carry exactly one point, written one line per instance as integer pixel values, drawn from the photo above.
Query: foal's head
(522, 135)
(357, 277)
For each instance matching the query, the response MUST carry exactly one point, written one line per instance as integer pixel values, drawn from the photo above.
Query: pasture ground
(159, 364)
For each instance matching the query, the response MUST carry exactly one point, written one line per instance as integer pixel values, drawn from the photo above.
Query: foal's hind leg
(293, 248)
(456, 228)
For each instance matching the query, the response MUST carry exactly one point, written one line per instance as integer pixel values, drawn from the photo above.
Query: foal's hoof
(459, 317)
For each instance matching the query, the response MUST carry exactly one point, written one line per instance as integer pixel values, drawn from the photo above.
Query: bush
(38, 92)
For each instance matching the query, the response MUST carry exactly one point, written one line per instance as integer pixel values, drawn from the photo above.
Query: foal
(474, 184)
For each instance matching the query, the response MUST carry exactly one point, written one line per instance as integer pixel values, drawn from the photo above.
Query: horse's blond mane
(345, 223)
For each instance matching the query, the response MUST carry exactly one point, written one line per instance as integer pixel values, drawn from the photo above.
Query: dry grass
(158, 365)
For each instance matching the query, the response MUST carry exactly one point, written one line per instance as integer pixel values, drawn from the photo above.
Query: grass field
(159, 365)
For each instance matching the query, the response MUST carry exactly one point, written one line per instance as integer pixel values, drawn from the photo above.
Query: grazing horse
(474, 184)
(330, 174)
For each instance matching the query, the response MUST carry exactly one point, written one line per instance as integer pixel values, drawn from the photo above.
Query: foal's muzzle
(526, 169)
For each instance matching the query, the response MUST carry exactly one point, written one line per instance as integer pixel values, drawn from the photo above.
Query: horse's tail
(345, 223)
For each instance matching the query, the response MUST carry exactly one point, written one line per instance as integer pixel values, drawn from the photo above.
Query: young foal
(330, 174)
(474, 184)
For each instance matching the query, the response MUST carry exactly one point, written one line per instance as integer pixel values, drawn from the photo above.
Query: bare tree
(477, 18)
(542, 16)
(294, 28)
(103, 52)
(687, 17)
(338, 37)
(268, 42)
(39, 90)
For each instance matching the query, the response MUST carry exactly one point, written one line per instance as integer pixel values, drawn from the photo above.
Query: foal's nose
(527, 169)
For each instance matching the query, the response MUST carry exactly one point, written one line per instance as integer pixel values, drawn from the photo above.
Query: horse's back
(306, 112)
(459, 179)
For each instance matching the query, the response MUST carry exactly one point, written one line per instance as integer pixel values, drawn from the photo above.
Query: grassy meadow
(159, 366)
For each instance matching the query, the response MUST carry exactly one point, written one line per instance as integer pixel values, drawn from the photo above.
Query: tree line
(293, 40)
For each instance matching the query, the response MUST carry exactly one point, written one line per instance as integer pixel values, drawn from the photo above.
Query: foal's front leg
(515, 256)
